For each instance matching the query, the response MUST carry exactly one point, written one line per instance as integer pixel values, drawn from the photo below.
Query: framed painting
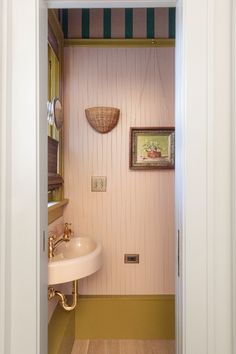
(152, 148)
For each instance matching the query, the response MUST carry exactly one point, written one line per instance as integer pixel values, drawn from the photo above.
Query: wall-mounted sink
(76, 259)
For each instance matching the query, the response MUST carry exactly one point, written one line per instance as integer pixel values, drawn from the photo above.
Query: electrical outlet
(131, 258)
(98, 183)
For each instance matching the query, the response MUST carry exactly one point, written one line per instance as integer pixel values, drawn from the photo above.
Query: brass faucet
(53, 243)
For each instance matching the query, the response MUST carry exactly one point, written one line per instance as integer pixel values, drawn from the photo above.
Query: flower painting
(152, 148)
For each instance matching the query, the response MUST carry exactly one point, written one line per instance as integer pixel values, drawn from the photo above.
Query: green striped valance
(118, 23)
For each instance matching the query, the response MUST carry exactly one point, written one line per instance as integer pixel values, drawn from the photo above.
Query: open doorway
(203, 97)
(123, 58)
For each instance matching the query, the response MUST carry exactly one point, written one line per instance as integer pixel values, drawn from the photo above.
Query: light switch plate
(98, 183)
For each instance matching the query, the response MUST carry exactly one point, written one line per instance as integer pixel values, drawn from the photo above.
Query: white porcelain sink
(73, 260)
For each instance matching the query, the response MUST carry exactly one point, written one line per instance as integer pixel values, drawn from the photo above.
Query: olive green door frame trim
(125, 43)
(125, 317)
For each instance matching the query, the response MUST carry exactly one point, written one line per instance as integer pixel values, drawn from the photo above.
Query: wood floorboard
(132, 346)
(80, 346)
(97, 346)
(123, 347)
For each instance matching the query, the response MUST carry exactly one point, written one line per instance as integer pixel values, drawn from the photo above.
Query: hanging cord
(165, 106)
(156, 64)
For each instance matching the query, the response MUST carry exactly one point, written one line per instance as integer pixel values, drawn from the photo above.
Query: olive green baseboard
(61, 332)
(125, 317)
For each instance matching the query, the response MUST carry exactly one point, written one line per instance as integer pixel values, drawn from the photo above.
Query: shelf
(55, 210)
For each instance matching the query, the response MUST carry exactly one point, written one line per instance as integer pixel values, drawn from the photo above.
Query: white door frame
(203, 173)
(53, 4)
(23, 177)
(234, 169)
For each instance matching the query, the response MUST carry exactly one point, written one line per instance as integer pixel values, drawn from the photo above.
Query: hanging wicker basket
(102, 119)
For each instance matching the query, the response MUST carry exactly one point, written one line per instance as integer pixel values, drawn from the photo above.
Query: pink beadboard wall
(136, 214)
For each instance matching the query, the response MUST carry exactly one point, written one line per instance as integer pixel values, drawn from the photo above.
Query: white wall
(136, 214)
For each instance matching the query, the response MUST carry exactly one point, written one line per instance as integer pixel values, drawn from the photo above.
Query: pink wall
(136, 214)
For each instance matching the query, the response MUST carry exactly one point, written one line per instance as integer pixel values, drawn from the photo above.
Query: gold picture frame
(152, 148)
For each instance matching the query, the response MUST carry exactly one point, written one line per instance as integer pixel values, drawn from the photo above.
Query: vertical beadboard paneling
(136, 214)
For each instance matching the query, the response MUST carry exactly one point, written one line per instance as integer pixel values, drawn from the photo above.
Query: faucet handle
(51, 236)
(67, 232)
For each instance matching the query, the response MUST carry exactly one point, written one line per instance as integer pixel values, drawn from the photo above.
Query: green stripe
(150, 23)
(85, 23)
(128, 23)
(65, 22)
(107, 23)
(172, 22)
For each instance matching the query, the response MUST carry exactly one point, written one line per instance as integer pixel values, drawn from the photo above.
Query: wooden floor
(124, 347)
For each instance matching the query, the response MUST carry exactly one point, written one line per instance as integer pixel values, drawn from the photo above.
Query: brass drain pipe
(62, 297)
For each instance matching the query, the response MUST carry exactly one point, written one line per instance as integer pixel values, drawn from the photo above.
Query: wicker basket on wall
(102, 119)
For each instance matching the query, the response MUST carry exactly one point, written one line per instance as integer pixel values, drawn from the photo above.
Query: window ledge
(55, 209)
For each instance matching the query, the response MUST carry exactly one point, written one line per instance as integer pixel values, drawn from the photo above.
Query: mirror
(54, 113)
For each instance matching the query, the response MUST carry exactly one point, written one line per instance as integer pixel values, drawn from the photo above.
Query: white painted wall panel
(136, 214)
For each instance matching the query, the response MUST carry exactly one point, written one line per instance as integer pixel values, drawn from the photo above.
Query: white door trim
(204, 176)
(233, 137)
(109, 4)
(4, 182)
(23, 177)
